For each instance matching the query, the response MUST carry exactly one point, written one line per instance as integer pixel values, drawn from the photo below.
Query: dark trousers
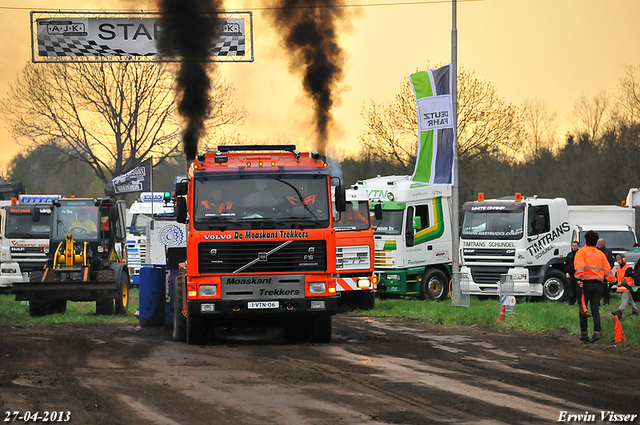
(593, 290)
(572, 289)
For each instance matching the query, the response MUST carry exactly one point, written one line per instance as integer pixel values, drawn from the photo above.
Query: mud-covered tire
(434, 285)
(122, 298)
(321, 329)
(105, 304)
(39, 307)
(179, 321)
(554, 288)
(365, 300)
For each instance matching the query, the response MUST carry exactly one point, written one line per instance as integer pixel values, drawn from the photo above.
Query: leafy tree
(108, 116)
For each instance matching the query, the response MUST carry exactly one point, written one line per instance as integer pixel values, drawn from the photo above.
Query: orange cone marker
(618, 329)
(501, 316)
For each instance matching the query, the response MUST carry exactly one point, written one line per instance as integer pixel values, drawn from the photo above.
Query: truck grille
(487, 275)
(29, 258)
(352, 258)
(228, 257)
(383, 259)
(484, 256)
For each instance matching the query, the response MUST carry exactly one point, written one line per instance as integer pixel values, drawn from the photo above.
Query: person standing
(570, 272)
(625, 280)
(593, 271)
(606, 296)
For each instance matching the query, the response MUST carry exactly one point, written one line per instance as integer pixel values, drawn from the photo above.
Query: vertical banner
(437, 144)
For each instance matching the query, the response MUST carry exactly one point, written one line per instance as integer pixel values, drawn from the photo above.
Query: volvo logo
(311, 250)
(213, 251)
(262, 256)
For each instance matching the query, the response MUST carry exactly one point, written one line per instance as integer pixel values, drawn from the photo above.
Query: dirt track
(377, 371)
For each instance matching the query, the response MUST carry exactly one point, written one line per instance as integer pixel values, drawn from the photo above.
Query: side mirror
(341, 198)
(35, 214)
(181, 209)
(416, 223)
(181, 188)
(377, 211)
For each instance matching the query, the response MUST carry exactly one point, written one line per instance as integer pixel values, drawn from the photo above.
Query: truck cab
(412, 236)
(524, 237)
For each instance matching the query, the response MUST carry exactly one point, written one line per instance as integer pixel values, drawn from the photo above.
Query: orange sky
(555, 50)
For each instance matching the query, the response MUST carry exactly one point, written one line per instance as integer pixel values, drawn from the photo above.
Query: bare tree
(626, 109)
(589, 115)
(110, 116)
(486, 123)
(538, 123)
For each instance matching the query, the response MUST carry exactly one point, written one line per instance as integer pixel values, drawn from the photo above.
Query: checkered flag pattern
(77, 46)
(80, 46)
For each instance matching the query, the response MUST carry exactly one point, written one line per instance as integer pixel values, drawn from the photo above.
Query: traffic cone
(501, 316)
(583, 306)
(619, 331)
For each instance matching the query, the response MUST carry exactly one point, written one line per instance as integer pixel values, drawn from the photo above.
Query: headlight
(393, 277)
(9, 271)
(522, 276)
(317, 287)
(208, 290)
(364, 283)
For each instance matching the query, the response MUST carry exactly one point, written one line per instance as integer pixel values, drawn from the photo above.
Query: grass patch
(530, 316)
(14, 313)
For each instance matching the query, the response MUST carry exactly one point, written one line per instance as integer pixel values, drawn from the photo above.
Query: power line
(338, 6)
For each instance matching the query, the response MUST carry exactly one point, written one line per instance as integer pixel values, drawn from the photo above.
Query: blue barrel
(152, 296)
(169, 290)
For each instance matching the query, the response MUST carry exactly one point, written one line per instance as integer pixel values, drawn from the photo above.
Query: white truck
(525, 237)
(615, 224)
(24, 243)
(413, 237)
(150, 206)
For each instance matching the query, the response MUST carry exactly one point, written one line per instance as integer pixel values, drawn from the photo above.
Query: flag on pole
(136, 180)
(436, 147)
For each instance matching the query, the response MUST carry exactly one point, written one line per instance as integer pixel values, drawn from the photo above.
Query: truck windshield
(493, 224)
(139, 224)
(19, 225)
(78, 218)
(261, 202)
(356, 217)
(390, 224)
(614, 240)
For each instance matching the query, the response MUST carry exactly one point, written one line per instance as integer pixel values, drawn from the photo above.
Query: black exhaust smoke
(188, 32)
(309, 32)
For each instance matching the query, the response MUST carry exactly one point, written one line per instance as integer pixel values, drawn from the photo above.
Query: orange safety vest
(223, 206)
(591, 264)
(622, 278)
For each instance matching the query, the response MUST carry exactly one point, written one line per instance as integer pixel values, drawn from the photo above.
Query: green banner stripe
(422, 84)
(425, 158)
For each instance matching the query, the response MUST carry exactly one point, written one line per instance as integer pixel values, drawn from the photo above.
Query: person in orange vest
(592, 271)
(217, 204)
(625, 280)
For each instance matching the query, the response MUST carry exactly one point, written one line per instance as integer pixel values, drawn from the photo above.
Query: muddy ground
(376, 371)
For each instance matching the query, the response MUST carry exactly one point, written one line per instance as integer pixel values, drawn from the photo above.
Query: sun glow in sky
(553, 50)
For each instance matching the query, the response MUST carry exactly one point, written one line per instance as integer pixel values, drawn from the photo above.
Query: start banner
(96, 37)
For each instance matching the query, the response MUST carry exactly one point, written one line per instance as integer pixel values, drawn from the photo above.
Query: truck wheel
(195, 330)
(179, 321)
(366, 300)
(105, 304)
(39, 307)
(297, 329)
(554, 288)
(59, 306)
(321, 329)
(122, 298)
(433, 285)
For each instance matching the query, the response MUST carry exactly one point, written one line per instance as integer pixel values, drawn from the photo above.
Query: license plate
(263, 304)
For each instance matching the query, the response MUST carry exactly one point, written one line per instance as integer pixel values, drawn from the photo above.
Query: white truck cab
(413, 238)
(525, 237)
